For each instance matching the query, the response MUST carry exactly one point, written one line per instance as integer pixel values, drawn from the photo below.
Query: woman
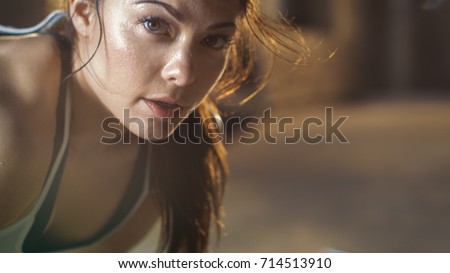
(78, 98)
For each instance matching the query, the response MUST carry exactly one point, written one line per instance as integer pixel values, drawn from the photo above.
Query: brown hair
(188, 180)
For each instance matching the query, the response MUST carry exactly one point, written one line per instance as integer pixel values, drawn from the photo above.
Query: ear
(83, 16)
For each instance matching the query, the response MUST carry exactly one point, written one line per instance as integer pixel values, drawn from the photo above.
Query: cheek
(121, 61)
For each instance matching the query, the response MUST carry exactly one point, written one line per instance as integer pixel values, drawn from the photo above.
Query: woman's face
(158, 59)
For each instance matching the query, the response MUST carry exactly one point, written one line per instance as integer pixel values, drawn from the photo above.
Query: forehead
(196, 9)
(221, 6)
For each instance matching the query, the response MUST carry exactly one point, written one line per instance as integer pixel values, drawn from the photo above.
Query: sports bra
(25, 234)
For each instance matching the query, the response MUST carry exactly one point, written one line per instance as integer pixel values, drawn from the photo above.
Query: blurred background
(388, 190)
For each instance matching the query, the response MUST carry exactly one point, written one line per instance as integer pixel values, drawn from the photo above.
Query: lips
(164, 107)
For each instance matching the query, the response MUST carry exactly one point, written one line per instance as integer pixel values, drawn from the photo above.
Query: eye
(217, 42)
(156, 25)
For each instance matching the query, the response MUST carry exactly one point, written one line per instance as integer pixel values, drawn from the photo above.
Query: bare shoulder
(29, 83)
(29, 64)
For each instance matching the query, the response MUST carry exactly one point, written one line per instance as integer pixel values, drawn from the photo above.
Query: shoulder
(29, 85)
(30, 78)
(29, 65)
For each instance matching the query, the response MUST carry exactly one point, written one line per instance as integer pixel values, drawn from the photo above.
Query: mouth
(166, 104)
(163, 108)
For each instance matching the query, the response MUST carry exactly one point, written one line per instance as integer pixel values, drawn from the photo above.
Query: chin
(155, 132)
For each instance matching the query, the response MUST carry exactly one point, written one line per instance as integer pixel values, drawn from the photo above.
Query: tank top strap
(42, 209)
(44, 26)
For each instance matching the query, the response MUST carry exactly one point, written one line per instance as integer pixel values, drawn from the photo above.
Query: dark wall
(22, 13)
(432, 44)
(310, 13)
(397, 47)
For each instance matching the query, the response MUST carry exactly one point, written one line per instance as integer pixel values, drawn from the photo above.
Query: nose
(179, 68)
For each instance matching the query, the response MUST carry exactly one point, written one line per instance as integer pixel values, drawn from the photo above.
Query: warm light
(55, 4)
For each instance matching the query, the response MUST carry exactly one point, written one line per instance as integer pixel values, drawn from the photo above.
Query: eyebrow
(180, 17)
(222, 25)
(170, 9)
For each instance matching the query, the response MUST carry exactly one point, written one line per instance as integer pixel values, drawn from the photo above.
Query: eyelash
(145, 21)
(227, 41)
